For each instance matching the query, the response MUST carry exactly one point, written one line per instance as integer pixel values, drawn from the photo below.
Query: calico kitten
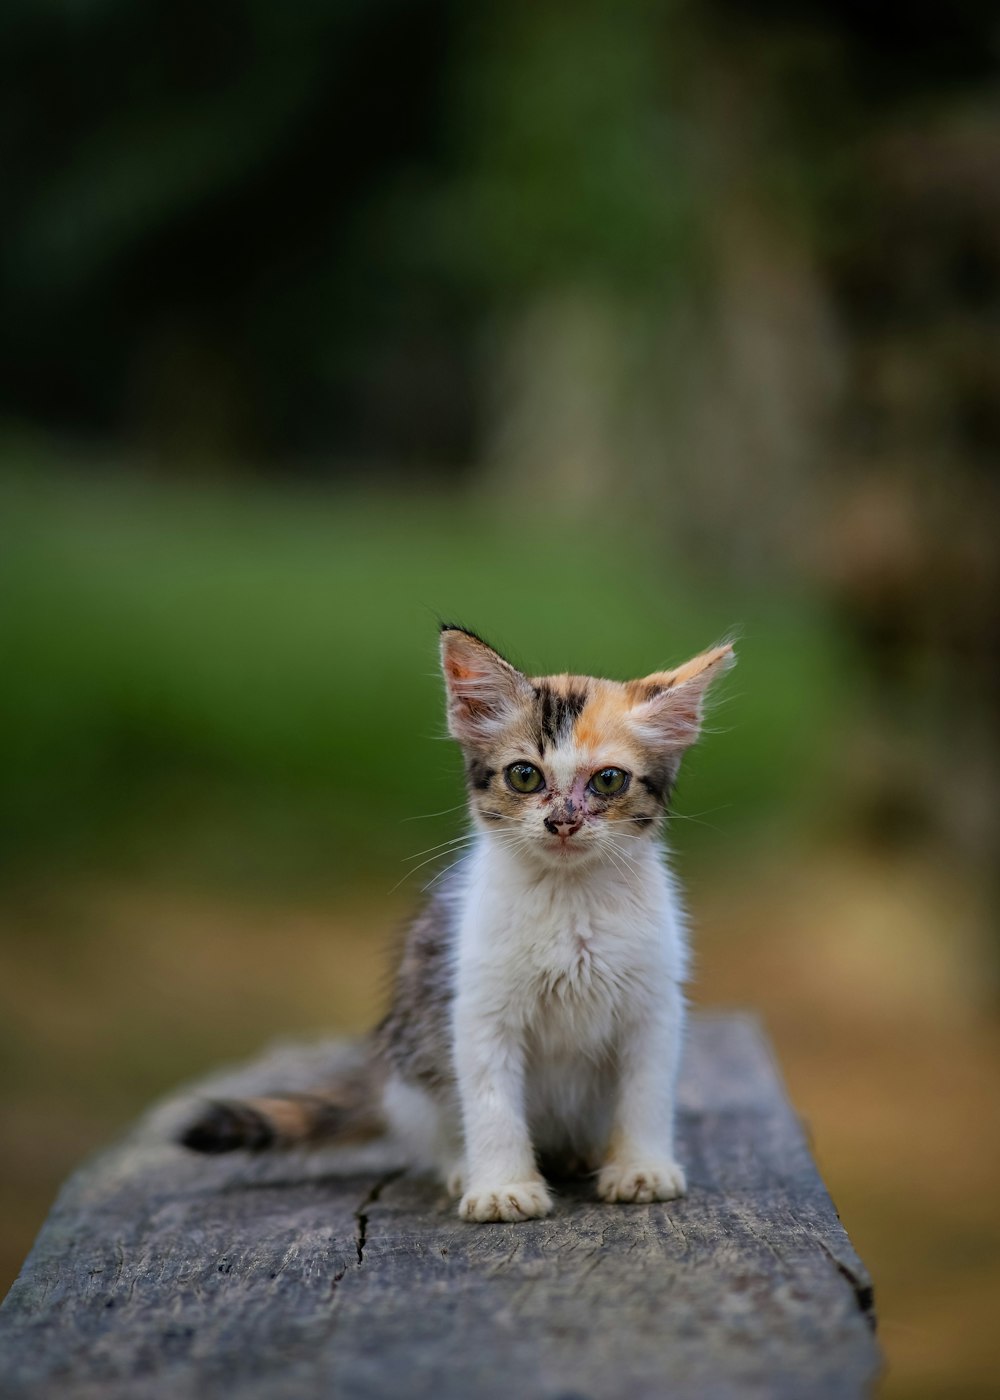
(537, 1011)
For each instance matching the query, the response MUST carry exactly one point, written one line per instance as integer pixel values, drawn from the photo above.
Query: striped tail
(347, 1113)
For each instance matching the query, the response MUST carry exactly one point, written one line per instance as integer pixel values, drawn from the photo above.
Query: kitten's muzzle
(563, 828)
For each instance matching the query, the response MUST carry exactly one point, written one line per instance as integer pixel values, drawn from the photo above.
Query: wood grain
(162, 1274)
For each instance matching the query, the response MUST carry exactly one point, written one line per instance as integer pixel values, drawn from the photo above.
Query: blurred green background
(606, 330)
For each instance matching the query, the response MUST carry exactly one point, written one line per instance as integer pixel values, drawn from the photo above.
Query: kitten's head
(569, 766)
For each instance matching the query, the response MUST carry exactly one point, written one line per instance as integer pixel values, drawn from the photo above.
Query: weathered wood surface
(161, 1274)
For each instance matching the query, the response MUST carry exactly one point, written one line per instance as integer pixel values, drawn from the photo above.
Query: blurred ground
(109, 994)
(891, 1050)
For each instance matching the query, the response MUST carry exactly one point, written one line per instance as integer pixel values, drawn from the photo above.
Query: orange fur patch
(695, 667)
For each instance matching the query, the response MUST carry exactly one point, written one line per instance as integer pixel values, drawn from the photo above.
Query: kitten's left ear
(670, 704)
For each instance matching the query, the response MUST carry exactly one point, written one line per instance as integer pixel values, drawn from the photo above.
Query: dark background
(605, 329)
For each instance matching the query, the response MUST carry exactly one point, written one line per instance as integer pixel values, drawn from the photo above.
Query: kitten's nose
(562, 828)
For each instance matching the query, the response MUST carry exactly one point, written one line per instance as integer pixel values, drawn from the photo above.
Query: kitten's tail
(348, 1111)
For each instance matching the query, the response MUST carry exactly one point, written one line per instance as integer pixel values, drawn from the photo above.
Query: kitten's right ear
(670, 712)
(483, 689)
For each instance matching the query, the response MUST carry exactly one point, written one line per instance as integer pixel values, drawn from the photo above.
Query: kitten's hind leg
(454, 1174)
(429, 1130)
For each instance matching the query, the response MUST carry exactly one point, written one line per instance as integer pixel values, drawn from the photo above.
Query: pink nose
(562, 828)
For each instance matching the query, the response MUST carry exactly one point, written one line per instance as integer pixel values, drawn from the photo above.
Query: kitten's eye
(609, 782)
(524, 777)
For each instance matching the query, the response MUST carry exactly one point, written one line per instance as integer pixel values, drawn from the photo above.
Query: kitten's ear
(483, 689)
(670, 704)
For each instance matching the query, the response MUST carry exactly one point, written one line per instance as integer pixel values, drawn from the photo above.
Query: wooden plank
(162, 1274)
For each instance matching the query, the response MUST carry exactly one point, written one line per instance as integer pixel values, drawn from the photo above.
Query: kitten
(537, 1010)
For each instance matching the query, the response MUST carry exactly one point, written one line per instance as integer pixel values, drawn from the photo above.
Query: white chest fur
(562, 959)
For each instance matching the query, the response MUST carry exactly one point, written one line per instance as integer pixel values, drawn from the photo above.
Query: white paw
(517, 1200)
(641, 1181)
(454, 1179)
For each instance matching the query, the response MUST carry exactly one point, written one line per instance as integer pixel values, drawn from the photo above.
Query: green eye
(524, 777)
(609, 782)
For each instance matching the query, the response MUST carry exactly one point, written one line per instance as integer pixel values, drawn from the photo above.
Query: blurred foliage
(306, 207)
(261, 228)
(246, 685)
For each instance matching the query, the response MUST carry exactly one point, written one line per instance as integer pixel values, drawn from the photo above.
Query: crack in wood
(361, 1214)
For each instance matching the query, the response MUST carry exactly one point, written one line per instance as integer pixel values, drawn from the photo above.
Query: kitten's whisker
(435, 856)
(445, 811)
(696, 817)
(708, 812)
(672, 816)
(442, 845)
(624, 858)
(614, 861)
(441, 874)
(612, 844)
(508, 837)
(514, 843)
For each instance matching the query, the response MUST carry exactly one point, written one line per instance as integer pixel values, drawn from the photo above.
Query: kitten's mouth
(564, 846)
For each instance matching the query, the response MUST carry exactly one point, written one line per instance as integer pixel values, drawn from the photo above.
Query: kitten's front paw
(635, 1181)
(517, 1200)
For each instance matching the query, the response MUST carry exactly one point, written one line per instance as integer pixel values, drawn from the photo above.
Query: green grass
(240, 684)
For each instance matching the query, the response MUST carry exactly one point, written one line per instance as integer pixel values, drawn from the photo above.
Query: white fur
(567, 1026)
